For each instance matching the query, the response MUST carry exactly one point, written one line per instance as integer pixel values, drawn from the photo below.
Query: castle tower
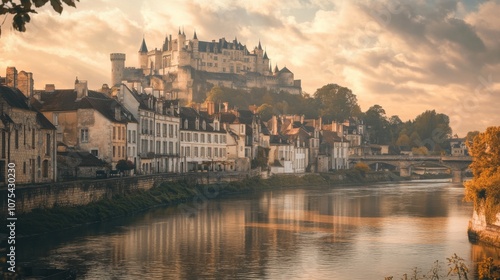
(117, 67)
(181, 39)
(195, 45)
(265, 62)
(143, 55)
(259, 66)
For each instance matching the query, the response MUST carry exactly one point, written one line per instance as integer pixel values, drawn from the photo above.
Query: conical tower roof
(144, 48)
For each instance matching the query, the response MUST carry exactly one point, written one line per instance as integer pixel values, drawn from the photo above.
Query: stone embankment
(481, 231)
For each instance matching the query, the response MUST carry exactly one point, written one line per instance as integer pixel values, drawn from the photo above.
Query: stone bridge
(404, 163)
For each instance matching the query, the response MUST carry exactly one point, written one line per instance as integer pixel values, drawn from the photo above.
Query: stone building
(157, 138)
(27, 140)
(203, 143)
(87, 120)
(188, 68)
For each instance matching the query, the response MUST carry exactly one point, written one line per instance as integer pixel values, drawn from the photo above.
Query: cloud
(407, 56)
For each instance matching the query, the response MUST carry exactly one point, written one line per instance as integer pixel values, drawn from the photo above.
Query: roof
(330, 137)
(144, 48)
(191, 115)
(44, 122)
(285, 70)
(66, 100)
(79, 157)
(14, 97)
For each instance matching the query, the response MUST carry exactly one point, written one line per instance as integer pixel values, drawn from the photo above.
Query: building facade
(27, 140)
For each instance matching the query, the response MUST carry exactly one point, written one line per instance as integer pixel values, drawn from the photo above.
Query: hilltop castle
(187, 69)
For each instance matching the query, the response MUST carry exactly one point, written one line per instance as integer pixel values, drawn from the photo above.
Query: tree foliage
(22, 10)
(485, 186)
(124, 165)
(337, 103)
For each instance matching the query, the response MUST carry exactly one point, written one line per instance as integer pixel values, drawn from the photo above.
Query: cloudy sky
(407, 56)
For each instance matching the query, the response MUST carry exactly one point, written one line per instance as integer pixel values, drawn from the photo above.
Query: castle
(188, 69)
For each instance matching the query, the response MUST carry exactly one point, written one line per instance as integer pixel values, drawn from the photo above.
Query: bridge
(404, 163)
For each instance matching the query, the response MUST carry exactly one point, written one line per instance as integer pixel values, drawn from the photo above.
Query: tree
(470, 135)
(378, 125)
(433, 129)
(265, 111)
(22, 10)
(337, 103)
(125, 165)
(485, 186)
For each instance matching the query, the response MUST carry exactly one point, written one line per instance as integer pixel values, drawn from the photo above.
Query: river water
(345, 232)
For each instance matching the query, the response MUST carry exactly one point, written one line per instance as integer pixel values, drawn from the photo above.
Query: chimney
(50, 88)
(226, 106)
(81, 89)
(210, 108)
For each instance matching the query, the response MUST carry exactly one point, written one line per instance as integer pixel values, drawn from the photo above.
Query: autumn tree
(22, 10)
(337, 103)
(485, 186)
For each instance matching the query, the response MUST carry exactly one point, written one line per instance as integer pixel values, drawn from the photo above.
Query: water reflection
(356, 232)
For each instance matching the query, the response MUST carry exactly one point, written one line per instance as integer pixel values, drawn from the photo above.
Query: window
(188, 137)
(182, 136)
(114, 151)
(195, 137)
(133, 136)
(164, 130)
(95, 152)
(170, 131)
(202, 152)
(170, 147)
(158, 129)
(209, 138)
(188, 151)
(123, 133)
(216, 138)
(195, 151)
(209, 152)
(55, 118)
(33, 138)
(114, 133)
(47, 146)
(202, 138)
(84, 135)
(216, 152)
(175, 131)
(16, 138)
(129, 136)
(119, 152)
(24, 167)
(223, 152)
(45, 169)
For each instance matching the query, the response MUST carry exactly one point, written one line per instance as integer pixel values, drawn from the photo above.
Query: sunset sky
(407, 56)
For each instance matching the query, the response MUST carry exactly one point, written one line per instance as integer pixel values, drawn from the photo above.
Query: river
(344, 232)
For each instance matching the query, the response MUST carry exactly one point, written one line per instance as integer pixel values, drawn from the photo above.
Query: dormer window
(185, 124)
(204, 125)
(197, 124)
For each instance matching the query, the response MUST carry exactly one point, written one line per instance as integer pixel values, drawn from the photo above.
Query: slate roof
(14, 97)
(83, 159)
(66, 100)
(191, 115)
(144, 48)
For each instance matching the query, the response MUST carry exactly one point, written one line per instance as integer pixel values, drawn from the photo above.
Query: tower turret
(143, 55)
(195, 46)
(117, 67)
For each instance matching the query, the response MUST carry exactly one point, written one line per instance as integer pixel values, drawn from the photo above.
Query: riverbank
(188, 192)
